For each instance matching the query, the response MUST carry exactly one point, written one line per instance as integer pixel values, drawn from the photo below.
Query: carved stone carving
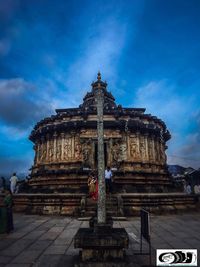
(122, 152)
(78, 150)
(51, 150)
(157, 152)
(115, 152)
(43, 154)
(67, 149)
(86, 150)
(162, 154)
(35, 155)
(58, 149)
(142, 148)
(134, 148)
(150, 150)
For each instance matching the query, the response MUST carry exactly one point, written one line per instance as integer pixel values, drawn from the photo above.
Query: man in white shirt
(108, 179)
(188, 189)
(13, 183)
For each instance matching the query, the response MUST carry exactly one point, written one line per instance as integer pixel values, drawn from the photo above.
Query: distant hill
(176, 169)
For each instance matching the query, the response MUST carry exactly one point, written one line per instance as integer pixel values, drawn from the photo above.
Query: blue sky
(50, 52)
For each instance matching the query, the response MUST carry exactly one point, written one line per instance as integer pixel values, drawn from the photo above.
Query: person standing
(108, 179)
(8, 202)
(93, 186)
(13, 183)
(188, 189)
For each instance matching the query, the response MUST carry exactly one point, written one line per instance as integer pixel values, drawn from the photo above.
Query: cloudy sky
(50, 52)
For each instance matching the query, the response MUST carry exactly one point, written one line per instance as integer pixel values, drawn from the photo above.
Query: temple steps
(111, 207)
(128, 204)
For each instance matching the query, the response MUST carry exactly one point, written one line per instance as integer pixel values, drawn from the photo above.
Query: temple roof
(136, 116)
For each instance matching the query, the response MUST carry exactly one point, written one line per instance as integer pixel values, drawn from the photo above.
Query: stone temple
(65, 147)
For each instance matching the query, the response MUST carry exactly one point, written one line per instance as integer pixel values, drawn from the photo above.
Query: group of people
(188, 189)
(93, 183)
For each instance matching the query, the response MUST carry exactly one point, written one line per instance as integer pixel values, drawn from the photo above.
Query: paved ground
(48, 241)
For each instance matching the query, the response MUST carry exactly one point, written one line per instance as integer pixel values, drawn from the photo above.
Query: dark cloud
(189, 153)
(21, 105)
(10, 165)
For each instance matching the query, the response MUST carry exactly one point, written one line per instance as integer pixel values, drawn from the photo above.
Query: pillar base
(101, 246)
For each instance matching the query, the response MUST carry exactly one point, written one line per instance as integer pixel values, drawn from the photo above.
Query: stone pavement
(48, 241)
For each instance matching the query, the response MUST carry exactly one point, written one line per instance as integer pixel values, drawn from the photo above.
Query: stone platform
(101, 247)
(70, 203)
(39, 241)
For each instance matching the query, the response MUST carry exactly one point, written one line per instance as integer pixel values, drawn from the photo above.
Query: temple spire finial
(99, 76)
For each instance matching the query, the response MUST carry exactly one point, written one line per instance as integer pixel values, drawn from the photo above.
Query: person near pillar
(13, 183)
(108, 179)
(93, 186)
(95, 194)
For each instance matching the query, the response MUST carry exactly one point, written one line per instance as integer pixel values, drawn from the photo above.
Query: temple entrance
(96, 155)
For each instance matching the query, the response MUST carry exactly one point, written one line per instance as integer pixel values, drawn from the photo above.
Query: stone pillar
(150, 150)
(43, 150)
(73, 145)
(101, 211)
(47, 140)
(128, 147)
(138, 146)
(62, 146)
(54, 146)
(153, 149)
(35, 156)
(157, 150)
(39, 152)
(146, 147)
(36, 153)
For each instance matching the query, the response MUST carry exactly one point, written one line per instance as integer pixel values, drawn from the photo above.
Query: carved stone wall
(146, 148)
(62, 147)
(70, 147)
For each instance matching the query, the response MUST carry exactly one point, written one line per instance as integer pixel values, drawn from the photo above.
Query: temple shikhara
(66, 151)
